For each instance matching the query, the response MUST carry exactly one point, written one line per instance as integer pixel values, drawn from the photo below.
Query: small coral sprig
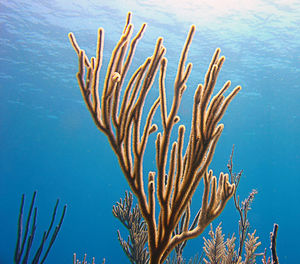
(219, 251)
(131, 217)
(243, 207)
(84, 261)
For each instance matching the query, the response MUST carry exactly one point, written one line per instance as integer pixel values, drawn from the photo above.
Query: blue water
(49, 142)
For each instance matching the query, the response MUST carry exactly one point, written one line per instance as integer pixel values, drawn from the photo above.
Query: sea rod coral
(178, 169)
(26, 237)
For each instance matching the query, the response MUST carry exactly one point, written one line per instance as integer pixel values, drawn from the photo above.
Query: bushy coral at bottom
(216, 249)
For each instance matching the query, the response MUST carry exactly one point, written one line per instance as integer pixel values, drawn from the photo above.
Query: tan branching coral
(178, 173)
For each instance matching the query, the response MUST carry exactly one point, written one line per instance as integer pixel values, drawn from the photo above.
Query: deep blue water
(49, 142)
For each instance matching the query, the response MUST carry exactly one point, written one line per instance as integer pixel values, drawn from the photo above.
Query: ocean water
(49, 142)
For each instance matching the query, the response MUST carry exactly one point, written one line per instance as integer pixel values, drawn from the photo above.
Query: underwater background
(49, 142)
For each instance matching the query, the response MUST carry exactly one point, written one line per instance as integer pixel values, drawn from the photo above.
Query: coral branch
(23, 239)
(273, 245)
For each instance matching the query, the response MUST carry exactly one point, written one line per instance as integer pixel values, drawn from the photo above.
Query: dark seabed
(49, 142)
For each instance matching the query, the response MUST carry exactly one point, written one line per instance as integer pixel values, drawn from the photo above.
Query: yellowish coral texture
(178, 169)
